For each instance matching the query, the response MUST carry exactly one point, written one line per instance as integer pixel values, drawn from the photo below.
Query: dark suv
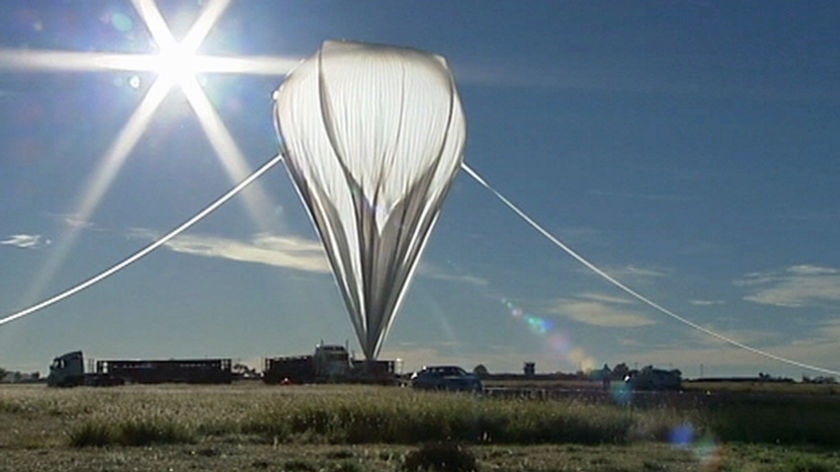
(445, 377)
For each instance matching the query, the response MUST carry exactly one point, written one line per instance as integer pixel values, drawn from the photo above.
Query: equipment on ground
(328, 364)
(650, 378)
(68, 370)
(445, 377)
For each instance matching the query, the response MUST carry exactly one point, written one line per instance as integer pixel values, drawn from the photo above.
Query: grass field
(312, 428)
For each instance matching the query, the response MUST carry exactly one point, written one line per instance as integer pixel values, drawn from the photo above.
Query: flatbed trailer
(68, 370)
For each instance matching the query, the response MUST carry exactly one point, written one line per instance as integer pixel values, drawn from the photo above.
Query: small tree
(620, 371)
(480, 371)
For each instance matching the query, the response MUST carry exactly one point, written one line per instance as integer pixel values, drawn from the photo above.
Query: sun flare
(176, 65)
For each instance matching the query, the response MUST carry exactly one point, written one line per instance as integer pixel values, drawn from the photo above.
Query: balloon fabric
(373, 137)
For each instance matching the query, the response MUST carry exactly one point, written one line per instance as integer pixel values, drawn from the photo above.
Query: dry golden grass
(250, 426)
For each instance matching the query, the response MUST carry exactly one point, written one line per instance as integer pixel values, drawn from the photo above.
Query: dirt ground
(222, 456)
(238, 457)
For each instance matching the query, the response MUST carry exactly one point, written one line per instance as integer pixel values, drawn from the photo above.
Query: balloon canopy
(373, 137)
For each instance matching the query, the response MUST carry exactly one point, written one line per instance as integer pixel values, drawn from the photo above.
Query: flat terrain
(216, 456)
(356, 428)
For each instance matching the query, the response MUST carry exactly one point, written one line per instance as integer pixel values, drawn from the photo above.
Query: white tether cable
(632, 292)
(151, 247)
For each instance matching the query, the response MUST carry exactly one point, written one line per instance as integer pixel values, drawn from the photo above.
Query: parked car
(650, 378)
(445, 377)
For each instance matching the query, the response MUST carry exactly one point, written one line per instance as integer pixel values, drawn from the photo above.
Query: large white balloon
(373, 137)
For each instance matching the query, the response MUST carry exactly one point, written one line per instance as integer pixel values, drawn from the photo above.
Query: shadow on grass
(133, 433)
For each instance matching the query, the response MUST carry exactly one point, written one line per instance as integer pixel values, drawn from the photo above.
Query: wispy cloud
(75, 221)
(600, 310)
(632, 274)
(753, 335)
(831, 330)
(432, 271)
(794, 287)
(280, 251)
(26, 241)
(610, 299)
(633, 271)
(707, 302)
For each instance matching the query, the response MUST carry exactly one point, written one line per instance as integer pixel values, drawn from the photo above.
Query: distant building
(530, 369)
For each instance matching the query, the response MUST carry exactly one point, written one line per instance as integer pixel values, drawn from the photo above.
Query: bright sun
(176, 65)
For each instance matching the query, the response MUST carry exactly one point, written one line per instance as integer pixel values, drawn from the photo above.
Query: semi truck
(330, 363)
(68, 370)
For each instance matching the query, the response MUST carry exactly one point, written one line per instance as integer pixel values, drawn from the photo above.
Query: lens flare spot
(537, 324)
(708, 453)
(234, 105)
(121, 22)
(704, 449)
(580, 357)
(556, 341)
(621, 393)
(682, 436)
(559, 343)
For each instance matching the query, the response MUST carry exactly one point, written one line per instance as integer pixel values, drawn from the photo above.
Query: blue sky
(687, 148)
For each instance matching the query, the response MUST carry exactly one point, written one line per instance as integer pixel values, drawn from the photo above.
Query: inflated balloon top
(373, 137)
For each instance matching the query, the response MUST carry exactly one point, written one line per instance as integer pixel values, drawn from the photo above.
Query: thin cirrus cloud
(599, 310)
(279, 251)
(430, 270)
(707, 302)
(640, 272)
(631, 274)
(74, 221)
(26, 241)
(794, 287)
(831, 329)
